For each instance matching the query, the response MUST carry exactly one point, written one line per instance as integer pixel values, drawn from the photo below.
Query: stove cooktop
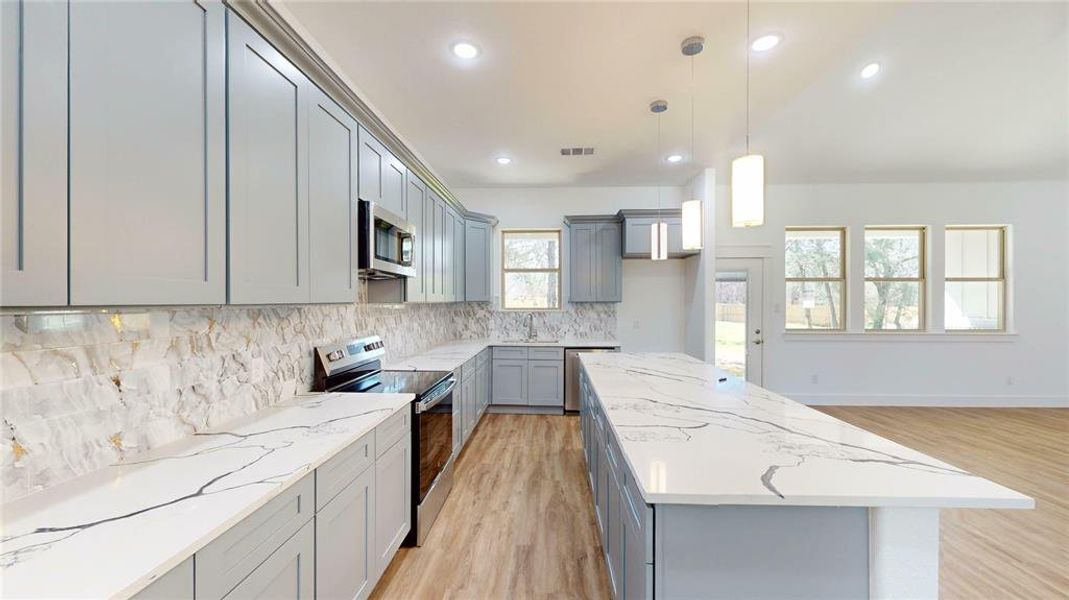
(398, 382)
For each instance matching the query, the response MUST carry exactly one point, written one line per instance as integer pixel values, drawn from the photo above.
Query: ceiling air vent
(576, 151)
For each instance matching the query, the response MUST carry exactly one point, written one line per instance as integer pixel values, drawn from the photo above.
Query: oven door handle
(433, 401)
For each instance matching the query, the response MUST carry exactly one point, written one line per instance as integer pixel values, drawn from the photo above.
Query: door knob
(757, 331)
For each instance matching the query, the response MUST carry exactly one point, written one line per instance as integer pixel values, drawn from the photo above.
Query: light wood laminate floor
(519, 522)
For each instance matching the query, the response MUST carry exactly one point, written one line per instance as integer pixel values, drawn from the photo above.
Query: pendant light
(659, 228)
(748, 172)
(692, 209)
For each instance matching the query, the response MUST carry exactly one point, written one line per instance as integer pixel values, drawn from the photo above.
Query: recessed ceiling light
(465, 50)
(765, 43)
(870, 70)
(674, 158)
(503, 160)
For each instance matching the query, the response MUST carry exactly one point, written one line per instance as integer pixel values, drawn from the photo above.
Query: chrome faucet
(530, 326)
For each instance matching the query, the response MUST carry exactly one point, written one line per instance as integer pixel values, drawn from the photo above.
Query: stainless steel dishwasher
(571, 374)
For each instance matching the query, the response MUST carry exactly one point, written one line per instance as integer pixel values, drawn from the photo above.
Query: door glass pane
(731, 323)
(814, 305)
(532, 290)
(892, 304)
(973, 304)
(813, 254)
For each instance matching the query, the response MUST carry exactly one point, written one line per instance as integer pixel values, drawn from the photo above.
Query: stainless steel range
(356, 367)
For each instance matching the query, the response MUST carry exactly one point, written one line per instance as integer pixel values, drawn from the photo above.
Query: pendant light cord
(659, 160)
(747, 77)
(692, 157)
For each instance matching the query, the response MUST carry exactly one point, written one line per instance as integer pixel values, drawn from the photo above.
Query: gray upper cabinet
(458, 257)
(382, 175)
(434, 222)
(545, 383)
(416, 198)
(636, 232)
(147, 153)
(449, 289)
(332, 147)
(595, 260)
(33, 183)
(477, 244)
(268, 172)
(345, 557)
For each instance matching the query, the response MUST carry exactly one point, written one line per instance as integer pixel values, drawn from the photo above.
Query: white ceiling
(967, 92)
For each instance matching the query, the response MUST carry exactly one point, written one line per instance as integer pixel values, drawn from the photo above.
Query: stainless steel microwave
(387, 243)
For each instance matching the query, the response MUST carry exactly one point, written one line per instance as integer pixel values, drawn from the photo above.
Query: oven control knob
(333, 356)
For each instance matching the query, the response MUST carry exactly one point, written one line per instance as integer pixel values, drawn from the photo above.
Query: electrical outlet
(637, 325)
(1009, 380)
(814, 378)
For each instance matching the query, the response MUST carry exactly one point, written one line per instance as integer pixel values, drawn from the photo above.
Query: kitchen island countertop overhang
(690, 439)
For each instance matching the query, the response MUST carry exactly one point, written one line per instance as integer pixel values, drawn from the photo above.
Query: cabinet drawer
(510, 352)
(344, 467)
(545, 353)
(469, 369)
(392, 429)
(225, 562)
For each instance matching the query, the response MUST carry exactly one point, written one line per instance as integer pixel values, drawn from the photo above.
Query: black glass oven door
(435, 442)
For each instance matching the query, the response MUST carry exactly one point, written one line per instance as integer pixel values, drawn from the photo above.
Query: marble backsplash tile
(81, 390)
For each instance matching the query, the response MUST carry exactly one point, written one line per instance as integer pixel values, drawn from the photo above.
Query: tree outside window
(894, 278)
(816, 277)
(530, 262)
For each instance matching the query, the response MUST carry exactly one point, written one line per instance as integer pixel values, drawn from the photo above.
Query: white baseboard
(947, 400)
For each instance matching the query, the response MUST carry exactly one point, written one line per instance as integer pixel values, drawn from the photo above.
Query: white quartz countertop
(451, 355)
(111, 533)
(688, 439)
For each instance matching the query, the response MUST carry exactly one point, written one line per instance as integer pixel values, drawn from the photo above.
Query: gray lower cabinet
(477, 244)
(33, 153)
(332, 180)
(147, 153)
(174, 584)
(595, 260)
(233, 556)
(545, 382)
(289, 573)
(471, 401)
(268, 174)
(509, 381)
(458, 419)
(345, 557)
(415, 199)
(393, 498)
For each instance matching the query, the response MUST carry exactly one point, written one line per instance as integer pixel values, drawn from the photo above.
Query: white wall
(652, 314)
(1027, 366)
(699, 327)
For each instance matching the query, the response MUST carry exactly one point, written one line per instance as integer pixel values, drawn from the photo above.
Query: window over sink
(530, 269)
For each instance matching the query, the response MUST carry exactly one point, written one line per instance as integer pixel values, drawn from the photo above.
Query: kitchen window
(975, 293)
(815, 267)
(530, 273)
(894, 278)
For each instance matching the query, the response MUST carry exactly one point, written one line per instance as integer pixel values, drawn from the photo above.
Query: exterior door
(739, 309)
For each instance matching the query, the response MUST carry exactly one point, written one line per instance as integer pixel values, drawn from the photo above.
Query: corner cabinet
(595, 259)
(478, 240)
(33, 154)
(268, 172)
